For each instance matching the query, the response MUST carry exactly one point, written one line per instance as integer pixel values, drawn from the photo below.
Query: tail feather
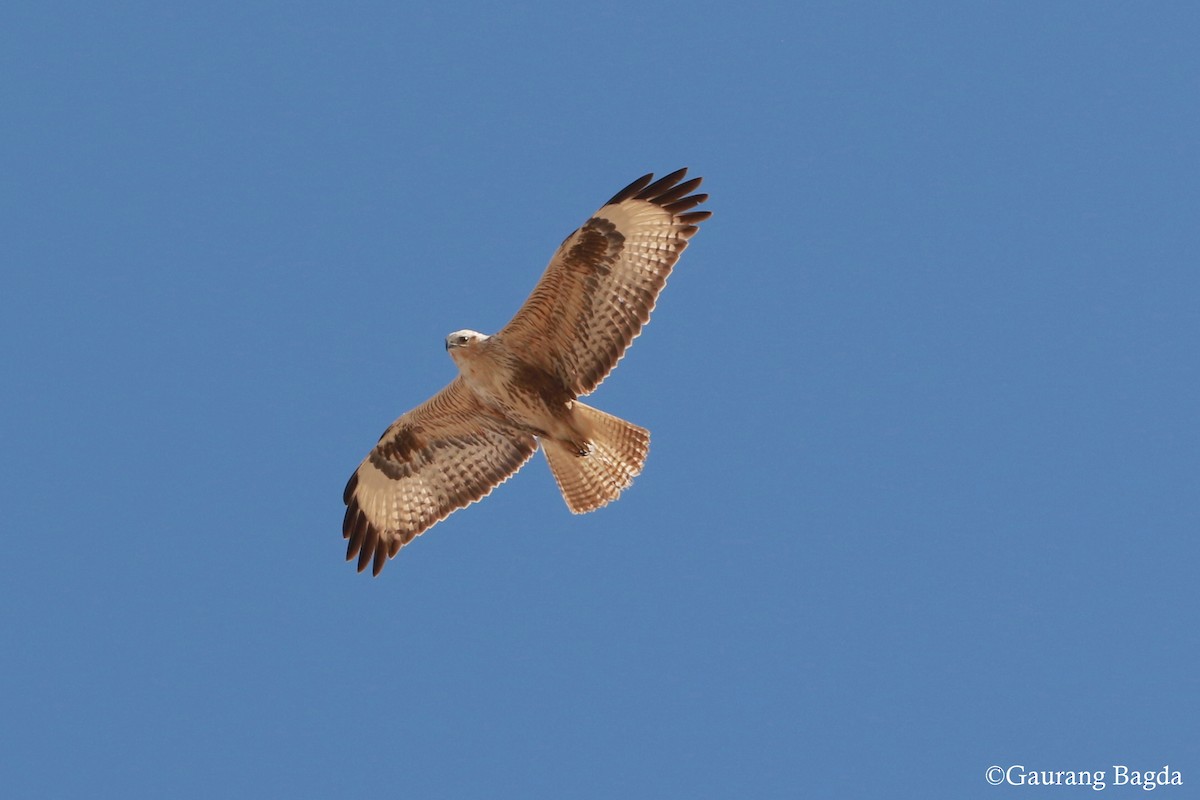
(616, 455)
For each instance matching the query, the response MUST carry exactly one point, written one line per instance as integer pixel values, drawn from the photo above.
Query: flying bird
(519, 388)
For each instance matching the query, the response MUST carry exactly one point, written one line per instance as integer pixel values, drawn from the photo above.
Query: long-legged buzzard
(520, 387)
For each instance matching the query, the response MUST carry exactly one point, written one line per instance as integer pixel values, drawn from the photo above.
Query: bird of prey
(519, 388)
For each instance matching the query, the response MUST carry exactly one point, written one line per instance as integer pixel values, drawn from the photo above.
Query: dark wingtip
(668, 196)
(632, 189)
(369, 542)
(686, 204)
(662, 185)
(671, 192)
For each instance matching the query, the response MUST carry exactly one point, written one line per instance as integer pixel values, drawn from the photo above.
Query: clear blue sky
(924, 489)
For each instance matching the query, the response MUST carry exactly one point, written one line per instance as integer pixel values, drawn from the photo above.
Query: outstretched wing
(446, 453)
(601, 285)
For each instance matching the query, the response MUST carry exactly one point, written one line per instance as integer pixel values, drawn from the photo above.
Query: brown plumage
(519, 387)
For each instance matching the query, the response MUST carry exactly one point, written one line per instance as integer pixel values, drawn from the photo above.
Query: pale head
(463, 342)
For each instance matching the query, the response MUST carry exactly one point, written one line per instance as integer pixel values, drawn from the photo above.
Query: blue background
(924, 488)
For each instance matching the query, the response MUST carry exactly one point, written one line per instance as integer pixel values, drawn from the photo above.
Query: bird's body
(519, 388)
(528, 397)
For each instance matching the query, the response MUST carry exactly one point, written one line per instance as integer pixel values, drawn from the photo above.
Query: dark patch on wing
(402, 446)
(597, 248)
(401, 455)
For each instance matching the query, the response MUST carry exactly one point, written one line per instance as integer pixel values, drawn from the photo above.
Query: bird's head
(461, 343)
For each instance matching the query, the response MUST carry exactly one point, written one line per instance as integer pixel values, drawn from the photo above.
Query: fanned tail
(616, 455)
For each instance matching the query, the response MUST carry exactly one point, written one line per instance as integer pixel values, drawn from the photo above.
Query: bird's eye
(463, 339)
